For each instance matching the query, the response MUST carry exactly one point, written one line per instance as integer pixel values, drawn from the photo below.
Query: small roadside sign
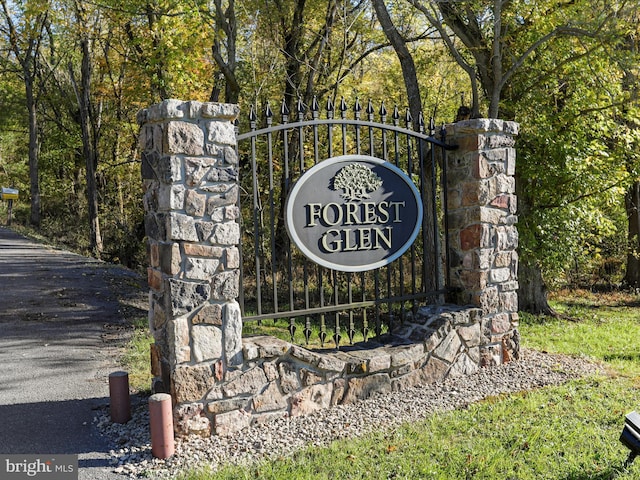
(9, 193)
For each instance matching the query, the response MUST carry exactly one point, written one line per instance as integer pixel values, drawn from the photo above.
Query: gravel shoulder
(284, 436)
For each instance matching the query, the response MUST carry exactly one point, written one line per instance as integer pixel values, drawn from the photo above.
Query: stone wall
(221, 382)
(279, 379)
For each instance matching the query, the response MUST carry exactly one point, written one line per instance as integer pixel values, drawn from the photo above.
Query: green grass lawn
(135, 358)
(568, 432)
(565, 432)
(603, 326)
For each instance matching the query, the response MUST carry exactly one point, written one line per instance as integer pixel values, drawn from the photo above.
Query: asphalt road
(56, 309)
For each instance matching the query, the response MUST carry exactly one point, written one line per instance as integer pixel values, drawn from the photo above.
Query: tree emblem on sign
(357, 181)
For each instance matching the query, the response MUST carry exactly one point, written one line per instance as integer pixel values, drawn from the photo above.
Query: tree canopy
(75, 74)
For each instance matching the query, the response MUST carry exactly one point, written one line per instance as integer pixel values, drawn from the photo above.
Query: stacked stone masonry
(190, 174)
(482, 228)
(221, 382)
(279, 379)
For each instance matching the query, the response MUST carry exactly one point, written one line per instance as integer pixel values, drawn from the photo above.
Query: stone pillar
(483, 236)
(190, 173)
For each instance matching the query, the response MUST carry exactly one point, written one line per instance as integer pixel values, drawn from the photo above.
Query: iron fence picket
(295, 297)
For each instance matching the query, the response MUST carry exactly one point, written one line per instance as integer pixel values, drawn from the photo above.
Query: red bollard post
(161, 424)
(120, 401)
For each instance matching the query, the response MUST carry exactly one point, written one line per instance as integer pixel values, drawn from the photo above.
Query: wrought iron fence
(281, 284)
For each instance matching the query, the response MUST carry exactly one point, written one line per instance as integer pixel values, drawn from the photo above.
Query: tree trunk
(34, 150)
(532, 292)
(157, 63)
(404, 56)
(27, 55)
(89, 140)
(430, 274)
(632, 195)
(296, 90)
(225, 21)
(90, 152)
(632, 205)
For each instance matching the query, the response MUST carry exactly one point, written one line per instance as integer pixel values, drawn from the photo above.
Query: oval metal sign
(353, 213)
